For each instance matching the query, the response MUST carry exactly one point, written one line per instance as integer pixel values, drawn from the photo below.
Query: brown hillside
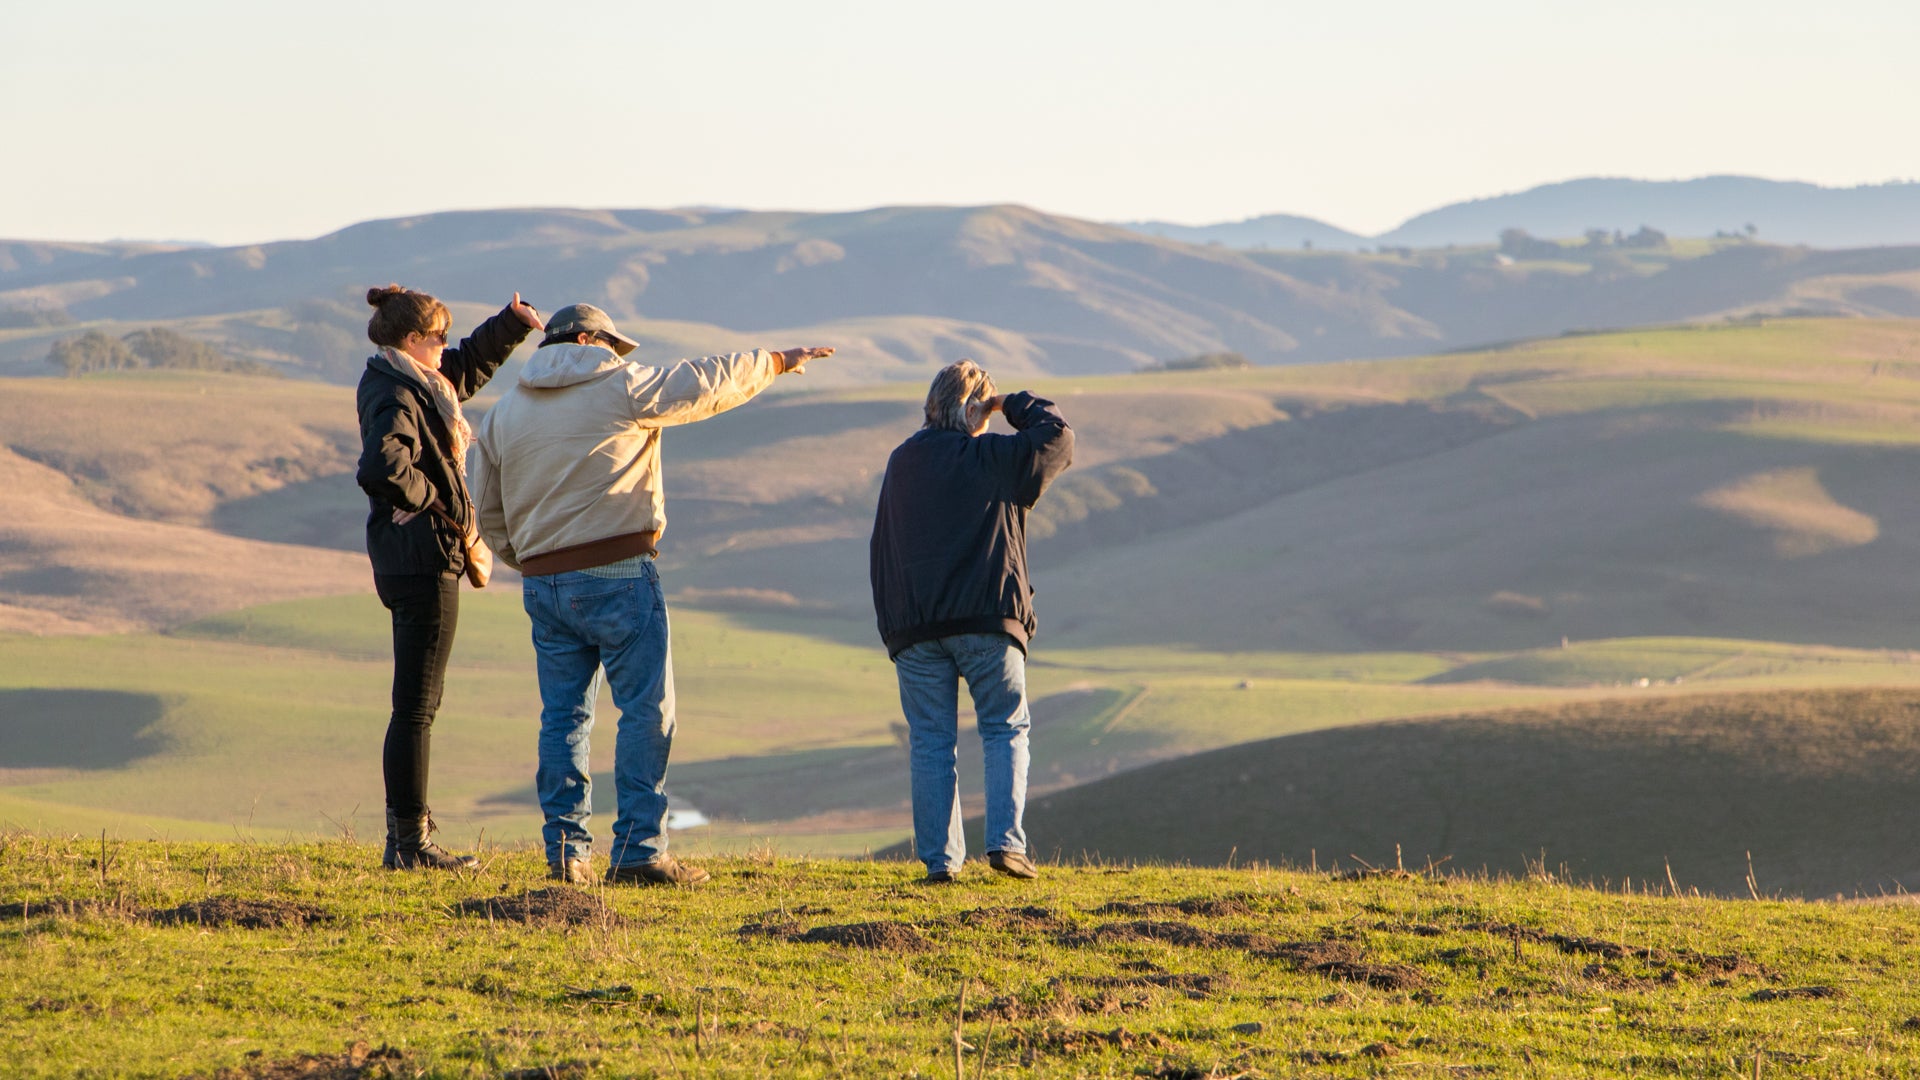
(69, 567)
(1805, 782)
(910, 287)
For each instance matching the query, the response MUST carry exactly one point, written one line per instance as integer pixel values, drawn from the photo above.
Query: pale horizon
(214, 122)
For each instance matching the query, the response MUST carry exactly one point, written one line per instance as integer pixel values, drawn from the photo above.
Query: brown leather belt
(590, 554)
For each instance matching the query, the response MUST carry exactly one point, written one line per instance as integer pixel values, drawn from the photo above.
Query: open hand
(795, 360)
(525, 313)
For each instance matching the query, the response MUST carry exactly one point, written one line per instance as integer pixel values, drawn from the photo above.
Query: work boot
(1014, 864)
(574, 871)
(414, 849)
(663, 870)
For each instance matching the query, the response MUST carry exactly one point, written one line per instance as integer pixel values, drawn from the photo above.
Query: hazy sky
(245, 121)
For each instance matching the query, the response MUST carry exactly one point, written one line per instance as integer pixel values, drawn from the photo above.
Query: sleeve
(1041, 447)
(694, 390)
(488, 503)
(389, 451)
(471, 363)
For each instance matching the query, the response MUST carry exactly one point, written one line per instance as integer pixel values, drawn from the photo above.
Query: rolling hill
(904, 289)
(1236, 555)
(1687, 786)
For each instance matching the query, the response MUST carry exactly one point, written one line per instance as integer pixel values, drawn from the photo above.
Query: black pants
(426, 611)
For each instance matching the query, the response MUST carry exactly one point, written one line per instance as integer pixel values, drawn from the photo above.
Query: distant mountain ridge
(901, 290)
(1782, 212)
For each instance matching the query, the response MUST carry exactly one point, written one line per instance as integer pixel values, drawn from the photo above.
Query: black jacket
(406, 452)
(949, 549)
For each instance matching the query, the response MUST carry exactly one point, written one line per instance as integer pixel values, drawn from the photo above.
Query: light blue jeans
(996, 673)
(583, 625)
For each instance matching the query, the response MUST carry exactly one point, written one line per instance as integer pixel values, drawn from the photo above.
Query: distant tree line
(154, 347)
(1213, 361)
(15, 317)
(1520, 244)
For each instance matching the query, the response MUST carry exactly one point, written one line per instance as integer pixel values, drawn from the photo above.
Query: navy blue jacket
(406, 452)
(949, 548)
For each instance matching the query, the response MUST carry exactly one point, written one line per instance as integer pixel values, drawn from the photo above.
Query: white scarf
(444, 401)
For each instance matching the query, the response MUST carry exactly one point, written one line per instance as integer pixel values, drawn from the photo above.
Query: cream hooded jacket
(571, 454)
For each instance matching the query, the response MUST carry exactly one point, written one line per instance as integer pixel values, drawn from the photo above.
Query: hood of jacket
(567, 364)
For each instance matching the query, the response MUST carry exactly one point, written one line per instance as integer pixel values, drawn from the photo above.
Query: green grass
(1077, 974)
(270, 720)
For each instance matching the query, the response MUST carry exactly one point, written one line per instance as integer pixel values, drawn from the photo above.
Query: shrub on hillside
(1520, 244)
(1647, 237)
(154, 347)
(1213, 361)
(93, 351)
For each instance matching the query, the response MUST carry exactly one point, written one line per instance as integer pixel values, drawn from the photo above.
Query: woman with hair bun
(413, 450)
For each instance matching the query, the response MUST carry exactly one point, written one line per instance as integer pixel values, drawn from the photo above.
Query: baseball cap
(587, 319)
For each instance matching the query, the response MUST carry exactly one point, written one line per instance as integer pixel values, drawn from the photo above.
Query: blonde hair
(958, 385)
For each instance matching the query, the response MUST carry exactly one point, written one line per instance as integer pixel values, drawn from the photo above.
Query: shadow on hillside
(78, 729)
(329, 512)
(1811, 784)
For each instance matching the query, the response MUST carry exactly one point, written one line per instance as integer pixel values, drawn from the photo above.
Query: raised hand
(526, 313)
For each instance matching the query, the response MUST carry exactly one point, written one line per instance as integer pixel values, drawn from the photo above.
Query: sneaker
(939, 877)
(573, 872)
(664, 870)
(1014, 864)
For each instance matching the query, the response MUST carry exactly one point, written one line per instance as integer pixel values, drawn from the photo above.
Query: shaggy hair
(958, 385)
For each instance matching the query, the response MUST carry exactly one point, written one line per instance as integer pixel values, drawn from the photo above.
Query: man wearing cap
(567, 485)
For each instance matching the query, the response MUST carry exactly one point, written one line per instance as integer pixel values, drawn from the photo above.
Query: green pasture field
(250, 961)
(267, 723)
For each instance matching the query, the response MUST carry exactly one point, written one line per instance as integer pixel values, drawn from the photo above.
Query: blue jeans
(996, 673)
(583, 625)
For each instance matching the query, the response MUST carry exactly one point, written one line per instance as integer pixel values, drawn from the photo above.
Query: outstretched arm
(696, 389)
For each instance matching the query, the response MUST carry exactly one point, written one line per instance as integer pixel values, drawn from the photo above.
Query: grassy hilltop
(256, 962)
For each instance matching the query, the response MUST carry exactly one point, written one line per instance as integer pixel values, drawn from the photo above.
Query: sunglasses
(437, 335)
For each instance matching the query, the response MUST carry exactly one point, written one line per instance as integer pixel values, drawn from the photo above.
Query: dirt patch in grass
(1383, 976)
(558, 906)
(1667, 964)
(1338, 960)
(779, 930)
(881, 936)
(234, 911)
(1211, 907)
(1313, 954)
(1173, 933)
(1013, 918)
(358, 1062)
(1798, 993)
(1192, 984)
(1060, 1041)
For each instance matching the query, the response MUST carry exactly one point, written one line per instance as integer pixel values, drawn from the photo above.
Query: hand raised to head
(526, 313)
(794, 361)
